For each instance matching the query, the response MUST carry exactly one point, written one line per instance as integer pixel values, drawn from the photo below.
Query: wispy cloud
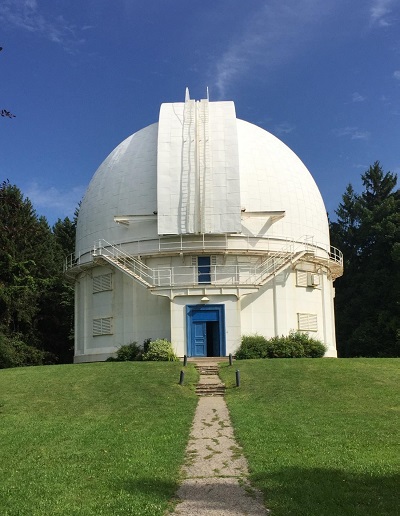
(271, 36)
(284, 128)
(27, 15)
(396, 75)
(356, 97)
(54, 200)
(353, 132)
(380, 12)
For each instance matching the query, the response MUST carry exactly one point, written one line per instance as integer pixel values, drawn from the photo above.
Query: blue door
(205, 326)
(200, 339)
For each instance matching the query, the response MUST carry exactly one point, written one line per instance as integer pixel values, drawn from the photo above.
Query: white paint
(217, 186)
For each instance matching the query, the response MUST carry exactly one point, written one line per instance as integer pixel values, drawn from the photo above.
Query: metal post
(185, 360)
(230, 358)
(237, 378)
(181, 378)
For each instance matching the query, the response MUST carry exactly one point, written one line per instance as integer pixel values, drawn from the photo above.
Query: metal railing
(281, 251)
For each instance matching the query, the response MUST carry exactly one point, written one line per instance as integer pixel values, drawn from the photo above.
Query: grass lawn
(321, 435)
(93, 439)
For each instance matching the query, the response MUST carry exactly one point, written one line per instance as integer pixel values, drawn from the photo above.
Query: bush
(15, 353)
(160, 350)
(252, 346)
(127, 352)
(295, 345)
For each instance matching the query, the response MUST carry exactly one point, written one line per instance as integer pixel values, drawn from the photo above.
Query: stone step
(210, 390)
(211, 393)
(210, 370)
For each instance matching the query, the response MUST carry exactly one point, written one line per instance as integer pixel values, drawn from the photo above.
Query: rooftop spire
(187, 95)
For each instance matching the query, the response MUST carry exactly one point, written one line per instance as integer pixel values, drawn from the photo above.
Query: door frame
(203, 311)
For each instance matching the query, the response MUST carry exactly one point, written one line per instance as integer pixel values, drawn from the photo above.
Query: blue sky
(82, 75)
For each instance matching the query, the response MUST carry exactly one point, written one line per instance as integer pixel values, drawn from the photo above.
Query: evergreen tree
(35, 301)
(368, 295)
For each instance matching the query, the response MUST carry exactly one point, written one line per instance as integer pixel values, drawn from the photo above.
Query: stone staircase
(209, 383)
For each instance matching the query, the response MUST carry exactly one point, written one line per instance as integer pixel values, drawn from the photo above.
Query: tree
(36, 315)
(368, 294)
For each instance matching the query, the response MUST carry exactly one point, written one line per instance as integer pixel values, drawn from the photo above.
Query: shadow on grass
(217, 494)
(323, 492)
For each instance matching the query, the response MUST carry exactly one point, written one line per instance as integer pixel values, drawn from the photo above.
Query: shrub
(127, 352)
(295, 345)
(285, 347)
(252, 346)
(15, 353)
(160, 350)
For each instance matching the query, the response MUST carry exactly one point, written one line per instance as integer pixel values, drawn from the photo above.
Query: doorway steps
(209, 383)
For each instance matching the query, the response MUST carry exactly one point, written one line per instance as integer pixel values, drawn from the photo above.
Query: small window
(204, 269)
(102, 326)
(307, 322)
(102, 283)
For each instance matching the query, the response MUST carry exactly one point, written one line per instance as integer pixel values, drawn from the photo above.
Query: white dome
(272, 179)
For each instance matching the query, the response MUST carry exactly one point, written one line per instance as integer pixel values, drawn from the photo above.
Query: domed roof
(273, 192)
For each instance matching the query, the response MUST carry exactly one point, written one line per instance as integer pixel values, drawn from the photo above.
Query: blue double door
(206, 330)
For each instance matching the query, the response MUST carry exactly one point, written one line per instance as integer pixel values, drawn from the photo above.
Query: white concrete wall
(136, 315)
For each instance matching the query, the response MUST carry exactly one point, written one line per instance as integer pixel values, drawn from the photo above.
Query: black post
(185, 360)
(237, 378)
(181, 378)
(230, 358)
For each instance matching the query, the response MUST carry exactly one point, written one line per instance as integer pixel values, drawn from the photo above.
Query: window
(204, 269)
(102, 326)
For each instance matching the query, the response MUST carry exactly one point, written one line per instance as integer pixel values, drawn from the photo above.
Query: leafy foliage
(36, 304)
(367, 230)
(15, 353)
(295, 345)
(127, 352)
(160, 350)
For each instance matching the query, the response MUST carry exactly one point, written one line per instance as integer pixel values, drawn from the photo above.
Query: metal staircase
(165, 277)
(126, 263)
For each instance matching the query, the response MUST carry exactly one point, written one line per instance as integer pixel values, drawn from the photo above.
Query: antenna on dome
(208, 94)
(187, 95)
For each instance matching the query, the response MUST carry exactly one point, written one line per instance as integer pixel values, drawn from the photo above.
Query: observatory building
(201, 228)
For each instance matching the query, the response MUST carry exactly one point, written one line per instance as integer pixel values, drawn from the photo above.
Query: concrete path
(215, 472)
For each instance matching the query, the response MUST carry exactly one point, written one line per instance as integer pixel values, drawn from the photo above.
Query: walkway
(215, 472)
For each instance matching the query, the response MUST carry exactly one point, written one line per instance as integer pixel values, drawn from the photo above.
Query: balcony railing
(279, 252)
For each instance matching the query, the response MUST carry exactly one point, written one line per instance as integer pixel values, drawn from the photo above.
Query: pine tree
(36, 314)
(368, 295)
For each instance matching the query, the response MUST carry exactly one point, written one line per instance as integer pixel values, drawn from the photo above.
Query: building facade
(199, 229)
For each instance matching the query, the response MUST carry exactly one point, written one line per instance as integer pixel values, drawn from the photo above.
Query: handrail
(210, 243)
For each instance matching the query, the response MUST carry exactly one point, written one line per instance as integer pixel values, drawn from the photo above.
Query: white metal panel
(198, 183)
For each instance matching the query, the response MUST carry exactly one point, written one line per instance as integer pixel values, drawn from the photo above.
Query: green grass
(320, 435)
(93, 439)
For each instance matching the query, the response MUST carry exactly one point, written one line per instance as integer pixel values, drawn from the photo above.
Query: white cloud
(284, 128)
(26, 15)
(380, 13)
(396, 75)
(271, 36)
(356, 97)
(353, 132)
(51, 199)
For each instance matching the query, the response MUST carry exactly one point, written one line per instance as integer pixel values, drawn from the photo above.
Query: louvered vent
(301, 278)
(213, 260)
(307, 322)
(102, 283)
(102, 326)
